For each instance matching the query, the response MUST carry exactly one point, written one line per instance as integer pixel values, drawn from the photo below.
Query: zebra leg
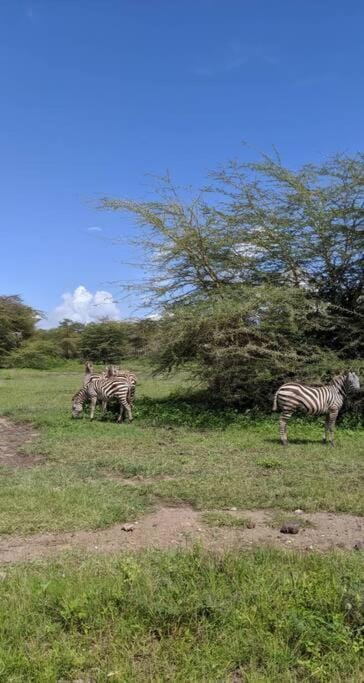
(327, 421)
(283, 428)
(331, 421)
(104, 406)
(93, 406)
(124, 404)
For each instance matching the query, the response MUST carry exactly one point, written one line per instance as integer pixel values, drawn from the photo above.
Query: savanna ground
(215, 601)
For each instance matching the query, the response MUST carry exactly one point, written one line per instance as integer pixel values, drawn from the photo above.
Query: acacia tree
(245, 344)
(304, 229)
(258, 229)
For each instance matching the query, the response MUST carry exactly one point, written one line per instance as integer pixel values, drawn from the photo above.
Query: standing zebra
(103, 389)
(114, 371)
(323, 400)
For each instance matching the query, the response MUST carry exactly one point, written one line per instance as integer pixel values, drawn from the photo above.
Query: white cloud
(94, 228)
(83, 306)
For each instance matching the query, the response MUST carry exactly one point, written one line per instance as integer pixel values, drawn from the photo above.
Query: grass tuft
(224, 519)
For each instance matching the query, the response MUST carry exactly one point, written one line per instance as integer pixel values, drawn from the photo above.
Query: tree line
(106, 341)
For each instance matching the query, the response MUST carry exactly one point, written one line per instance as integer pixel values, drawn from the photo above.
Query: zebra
(108, 373)
(326, 399)
(103, 389)
(114, 371)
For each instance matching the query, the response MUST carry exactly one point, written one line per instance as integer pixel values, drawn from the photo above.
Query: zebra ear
(88, 366)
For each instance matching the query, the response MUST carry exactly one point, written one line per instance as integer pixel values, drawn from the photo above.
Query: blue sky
(97, 93)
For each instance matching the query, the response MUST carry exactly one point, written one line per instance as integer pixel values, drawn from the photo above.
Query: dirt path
(12, 438)
(181, 527)
(170, 527)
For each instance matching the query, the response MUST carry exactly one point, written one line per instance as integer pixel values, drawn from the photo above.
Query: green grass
(260, 616)
(215, 458)
(224, 519)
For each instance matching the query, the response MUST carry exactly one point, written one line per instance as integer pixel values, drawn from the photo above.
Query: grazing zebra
(103, 389)
(322, 400)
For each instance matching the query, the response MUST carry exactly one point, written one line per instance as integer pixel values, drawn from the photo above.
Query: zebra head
(352, 382)
(77, 404)
(111, 371)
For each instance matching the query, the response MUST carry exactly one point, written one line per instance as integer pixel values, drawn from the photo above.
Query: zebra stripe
(323, 400)
(103, 390)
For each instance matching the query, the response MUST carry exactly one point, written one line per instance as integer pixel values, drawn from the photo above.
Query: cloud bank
(83, 306)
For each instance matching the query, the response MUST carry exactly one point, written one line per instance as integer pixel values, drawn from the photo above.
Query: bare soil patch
(12, 438)
(181, 527)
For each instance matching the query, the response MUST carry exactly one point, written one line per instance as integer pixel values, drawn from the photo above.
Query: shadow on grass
(195, 410)
(298, 442)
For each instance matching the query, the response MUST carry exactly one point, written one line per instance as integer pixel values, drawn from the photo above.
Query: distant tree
(17, 323)
(104, 342)
(67, 326)
(140, 334)
(68, 335)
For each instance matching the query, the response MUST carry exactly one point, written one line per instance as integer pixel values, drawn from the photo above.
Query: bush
(37, 354)
(247, 344)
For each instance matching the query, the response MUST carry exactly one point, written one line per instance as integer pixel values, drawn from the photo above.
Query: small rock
(359, 545)
(309, 547)
(290, 528)
(233, 509)
(250, 524)
(127, 527)
(298, 511)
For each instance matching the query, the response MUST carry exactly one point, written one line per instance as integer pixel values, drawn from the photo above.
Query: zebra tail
(275, 401)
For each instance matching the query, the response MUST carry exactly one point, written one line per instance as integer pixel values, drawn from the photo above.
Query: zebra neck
(339, 384)
(81, 395)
